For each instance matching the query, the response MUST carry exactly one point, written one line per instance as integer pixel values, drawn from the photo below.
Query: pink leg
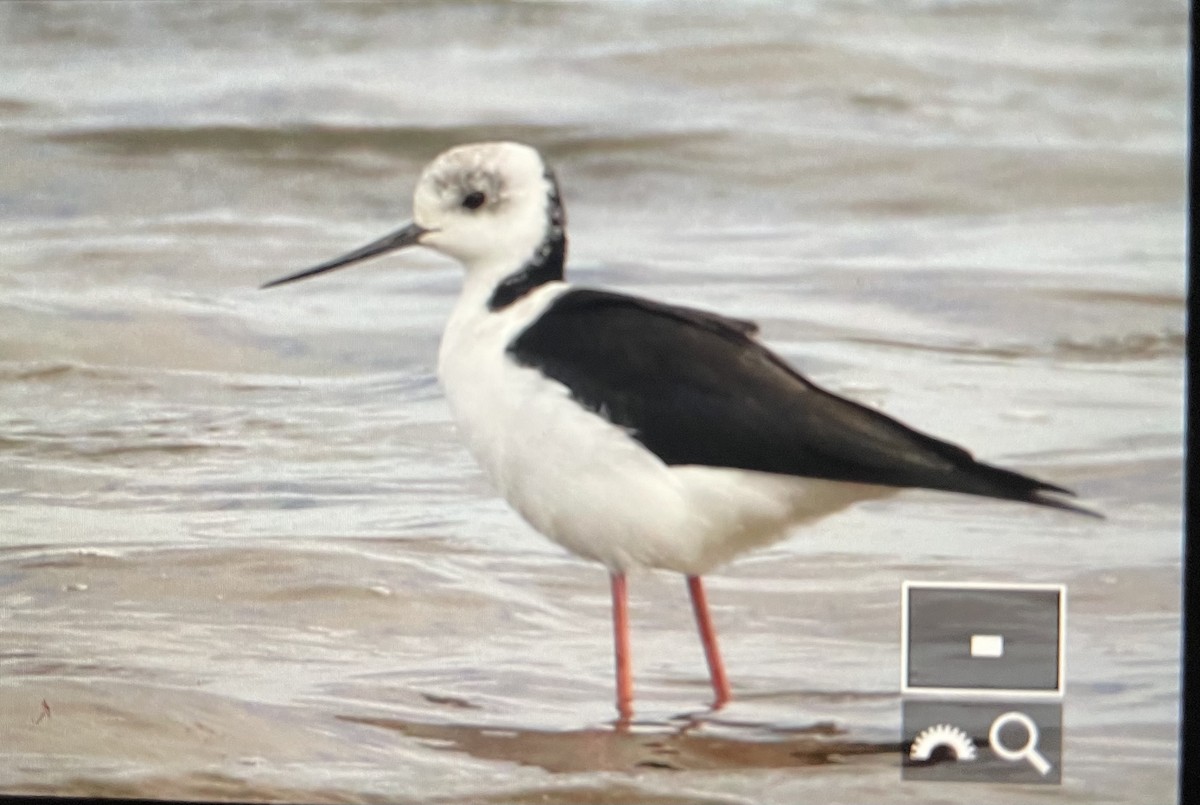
(620, 608)
(708, 636)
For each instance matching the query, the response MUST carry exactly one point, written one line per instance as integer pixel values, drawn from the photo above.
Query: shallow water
(242, 554)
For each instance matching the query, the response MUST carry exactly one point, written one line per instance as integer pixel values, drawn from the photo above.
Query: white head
(494, 207)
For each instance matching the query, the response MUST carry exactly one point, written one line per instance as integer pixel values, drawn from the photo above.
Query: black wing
(696, 388)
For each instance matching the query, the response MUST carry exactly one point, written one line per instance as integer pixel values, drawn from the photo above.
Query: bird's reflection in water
(689, 741)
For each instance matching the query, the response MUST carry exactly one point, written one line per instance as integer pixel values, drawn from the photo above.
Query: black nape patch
(547, 263)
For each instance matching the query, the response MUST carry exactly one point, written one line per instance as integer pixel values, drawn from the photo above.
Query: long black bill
(407, 236)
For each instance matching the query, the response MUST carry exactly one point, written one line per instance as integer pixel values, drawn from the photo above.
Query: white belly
(587, 484)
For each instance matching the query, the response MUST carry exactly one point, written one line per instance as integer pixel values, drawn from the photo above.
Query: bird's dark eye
(474, 200)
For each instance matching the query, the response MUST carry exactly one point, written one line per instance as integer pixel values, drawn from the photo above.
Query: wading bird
(637, 433)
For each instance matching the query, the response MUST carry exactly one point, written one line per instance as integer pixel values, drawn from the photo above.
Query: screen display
(847, 467)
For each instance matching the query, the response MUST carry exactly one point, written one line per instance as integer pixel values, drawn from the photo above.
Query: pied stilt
(637, 433)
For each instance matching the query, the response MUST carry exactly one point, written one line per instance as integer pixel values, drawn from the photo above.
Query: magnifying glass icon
(1027, 751)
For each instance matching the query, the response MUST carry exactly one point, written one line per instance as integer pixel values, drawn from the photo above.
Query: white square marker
(952, 637)
(987, 645)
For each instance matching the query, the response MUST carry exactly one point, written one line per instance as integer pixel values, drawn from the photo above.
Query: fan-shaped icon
(931, 738)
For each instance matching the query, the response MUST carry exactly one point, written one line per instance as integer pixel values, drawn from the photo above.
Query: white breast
(584, 482)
